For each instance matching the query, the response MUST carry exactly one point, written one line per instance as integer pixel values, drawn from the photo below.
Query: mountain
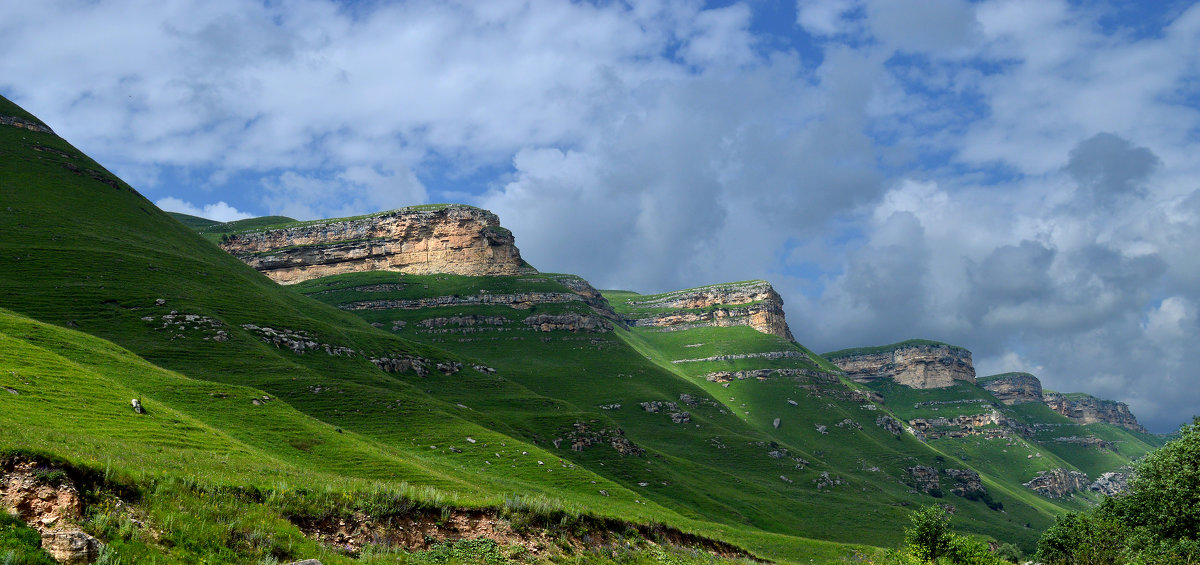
(416, 375)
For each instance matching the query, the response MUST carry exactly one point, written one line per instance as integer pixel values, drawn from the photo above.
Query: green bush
(1156, 521)
(929, 537)
(20, 544)
(965, 550)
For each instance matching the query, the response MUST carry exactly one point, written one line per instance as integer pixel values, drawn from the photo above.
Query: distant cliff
(1013, 388)
(453, 239)
(913, 363)
(1021, 388)
(753, 303)
(1087, 409)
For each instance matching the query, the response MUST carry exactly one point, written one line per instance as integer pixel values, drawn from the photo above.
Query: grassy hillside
(715, 465)
(269, 409)
(201, 336)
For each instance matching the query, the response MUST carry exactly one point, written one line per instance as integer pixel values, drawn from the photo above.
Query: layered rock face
(1021, 388)
(914, 365)
(754, 304)
(1014, 388)
(455, 239)
(1086, 409)
(1058, 483)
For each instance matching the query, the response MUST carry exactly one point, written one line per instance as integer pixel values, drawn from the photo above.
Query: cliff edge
(913, 363)
(751, 303)
(455, 239)
(1022, 388)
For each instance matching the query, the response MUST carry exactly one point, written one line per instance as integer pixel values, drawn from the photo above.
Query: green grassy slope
(714, 466)
(869, 458)
(222, 485)
(82, 251)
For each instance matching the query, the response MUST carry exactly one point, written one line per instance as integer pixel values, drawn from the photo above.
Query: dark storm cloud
(1108, 167)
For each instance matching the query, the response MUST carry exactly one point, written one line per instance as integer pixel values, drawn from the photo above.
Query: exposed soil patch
(420, 530)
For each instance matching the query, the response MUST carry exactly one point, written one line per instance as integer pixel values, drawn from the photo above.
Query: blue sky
(1019, 177)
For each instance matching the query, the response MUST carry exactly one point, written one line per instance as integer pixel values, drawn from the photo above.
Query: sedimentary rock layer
(1014, 388)
(453, 239)
(754, 304)
(1086, 409)
(1021, 388)
(920, 365)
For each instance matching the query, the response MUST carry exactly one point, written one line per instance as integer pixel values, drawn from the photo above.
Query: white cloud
(353, 191)
(826, 17)
(1010, 175)
(219, 211)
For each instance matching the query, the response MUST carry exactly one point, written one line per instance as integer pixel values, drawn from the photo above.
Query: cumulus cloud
(1014, 176)
(356, 190)
(1107, 167)
(219, 211)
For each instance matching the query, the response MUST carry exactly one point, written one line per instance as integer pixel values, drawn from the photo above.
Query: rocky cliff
(1014, 388)
(754, 304)
(916, 364)
(1086, 409)
(454, 239)
(1022, 388)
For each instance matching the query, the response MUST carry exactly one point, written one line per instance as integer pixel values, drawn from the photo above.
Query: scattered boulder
(1112, 482)
(966, 483)
(681, 417)
(306, 562)
(848, 423)
(890, 424)
(925, 479)
(71, 545)
(825, 481)
(1058, 483)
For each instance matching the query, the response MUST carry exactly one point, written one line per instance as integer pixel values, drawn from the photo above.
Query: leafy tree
(1009, 552)
(1156, 521)
(1164, 495)
(929, 537)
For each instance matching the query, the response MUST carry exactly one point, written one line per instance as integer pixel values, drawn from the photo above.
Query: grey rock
(71, 546)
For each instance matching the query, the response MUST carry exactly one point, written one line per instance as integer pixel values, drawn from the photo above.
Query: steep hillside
(627, 417)
(801, 399)
(83, 251)
(1003, 425)
(416, 375)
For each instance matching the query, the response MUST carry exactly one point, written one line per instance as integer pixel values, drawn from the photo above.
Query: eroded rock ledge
(455, 239)
(754, 304)
(1020, 388)
(1086, 409)
(916, 364)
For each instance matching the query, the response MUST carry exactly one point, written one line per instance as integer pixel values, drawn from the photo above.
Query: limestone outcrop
(916, 364)
(455, 239)
(1014, 388)
(1058, 483)
(1086, 409)
(1113, 483)
(1022, 388)
(754, 304)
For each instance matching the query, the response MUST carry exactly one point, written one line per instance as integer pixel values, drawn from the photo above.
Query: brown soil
(420, 530)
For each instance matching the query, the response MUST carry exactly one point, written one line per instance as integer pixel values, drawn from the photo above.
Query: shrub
(1156, 521)
(929, 537)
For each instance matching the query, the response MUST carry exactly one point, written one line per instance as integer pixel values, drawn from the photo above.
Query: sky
(1018, 177)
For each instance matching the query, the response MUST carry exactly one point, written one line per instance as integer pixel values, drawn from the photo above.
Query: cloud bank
(1014, 176)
